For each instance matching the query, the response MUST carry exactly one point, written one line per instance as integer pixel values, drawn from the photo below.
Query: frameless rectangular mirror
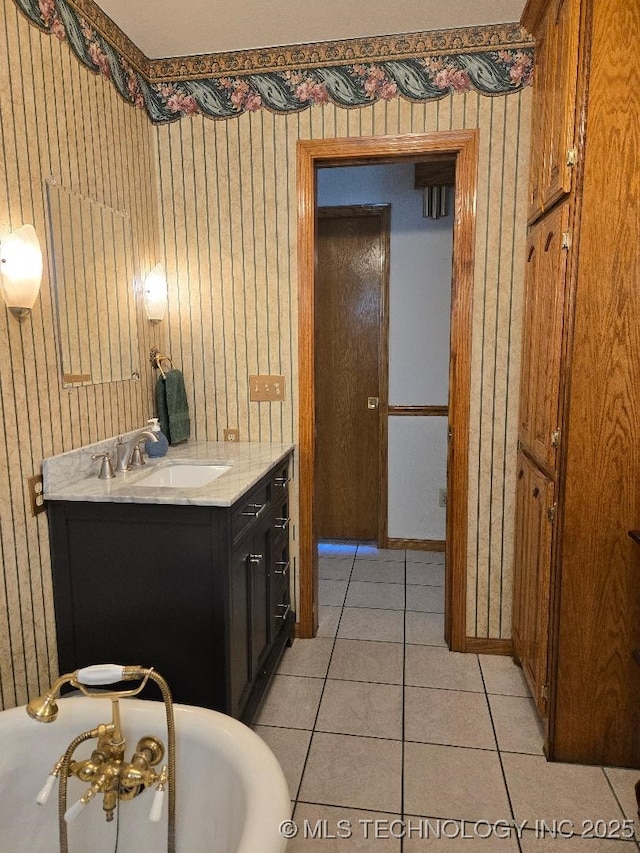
(91, 252)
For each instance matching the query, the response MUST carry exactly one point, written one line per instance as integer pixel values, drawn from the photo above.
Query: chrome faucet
(128, 453)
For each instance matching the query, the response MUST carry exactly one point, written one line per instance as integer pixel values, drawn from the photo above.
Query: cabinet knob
(281, 482)
(283, 571)
(281, 523)
(255, 558)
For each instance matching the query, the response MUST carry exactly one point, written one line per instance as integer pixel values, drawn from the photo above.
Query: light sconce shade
(21, 270)
(155, 294)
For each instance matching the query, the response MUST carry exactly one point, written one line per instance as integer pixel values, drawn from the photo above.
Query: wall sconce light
(20, 270)
(155, 294)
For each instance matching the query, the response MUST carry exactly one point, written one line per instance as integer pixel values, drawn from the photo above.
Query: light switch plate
(266, 388)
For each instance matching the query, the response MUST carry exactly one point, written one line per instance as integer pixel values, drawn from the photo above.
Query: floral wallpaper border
(492, 61)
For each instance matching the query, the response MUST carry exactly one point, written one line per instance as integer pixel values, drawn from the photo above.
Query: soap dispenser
(159, 447)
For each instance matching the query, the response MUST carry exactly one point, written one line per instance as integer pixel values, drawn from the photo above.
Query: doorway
(463, 145)
(351, 286)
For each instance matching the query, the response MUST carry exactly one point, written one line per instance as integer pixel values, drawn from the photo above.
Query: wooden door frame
(374, 150)
(383, 211)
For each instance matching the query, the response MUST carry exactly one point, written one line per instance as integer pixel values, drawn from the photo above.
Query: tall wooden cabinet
(576, 615)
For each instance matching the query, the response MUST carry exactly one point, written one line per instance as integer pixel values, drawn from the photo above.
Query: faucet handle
(136, 457)
(106, 468)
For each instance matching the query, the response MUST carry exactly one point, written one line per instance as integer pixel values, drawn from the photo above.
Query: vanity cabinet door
(239, 637)
(258, 565)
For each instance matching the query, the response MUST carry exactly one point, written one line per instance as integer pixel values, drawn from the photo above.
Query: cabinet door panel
(258, 570)
(542, 336)
(239, 650)
(554, 103)
(562, 71)
(532, 576)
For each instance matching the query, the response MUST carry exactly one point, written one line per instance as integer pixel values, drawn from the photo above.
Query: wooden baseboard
(488, 646)
(417, 544)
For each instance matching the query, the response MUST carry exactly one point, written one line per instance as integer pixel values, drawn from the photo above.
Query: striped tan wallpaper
(215, 201)
(228, 202)
(56, 118)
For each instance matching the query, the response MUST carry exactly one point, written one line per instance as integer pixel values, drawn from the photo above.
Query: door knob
(373, 402)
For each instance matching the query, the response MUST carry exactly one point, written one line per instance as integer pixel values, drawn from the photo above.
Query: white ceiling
(164, 28)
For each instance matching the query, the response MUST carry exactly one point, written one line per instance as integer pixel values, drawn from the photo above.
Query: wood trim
(421, 411)
(383, 374)
(488, 646)
(417, 544)
(367, 150)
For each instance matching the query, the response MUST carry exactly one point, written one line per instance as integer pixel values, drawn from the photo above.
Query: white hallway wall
(419, 312)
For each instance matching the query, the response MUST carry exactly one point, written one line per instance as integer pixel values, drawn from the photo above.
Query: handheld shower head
(44, 709)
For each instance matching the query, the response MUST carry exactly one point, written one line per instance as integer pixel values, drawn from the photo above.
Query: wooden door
(350, 371)
(542, 336)
(532, 576)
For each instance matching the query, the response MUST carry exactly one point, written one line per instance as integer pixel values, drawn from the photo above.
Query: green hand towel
(173, 408)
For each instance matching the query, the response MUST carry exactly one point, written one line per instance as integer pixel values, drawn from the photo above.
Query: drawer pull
(287, 609)
(284, 570)
(253, 510)
(281, 482)
(281, 523)
(255, 558)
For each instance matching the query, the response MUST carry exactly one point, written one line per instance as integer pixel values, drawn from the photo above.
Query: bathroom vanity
(193, 581)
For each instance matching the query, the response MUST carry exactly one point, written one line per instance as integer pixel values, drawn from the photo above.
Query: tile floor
(391, 743)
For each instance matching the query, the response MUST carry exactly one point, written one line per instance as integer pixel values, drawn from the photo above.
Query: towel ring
(156, 357)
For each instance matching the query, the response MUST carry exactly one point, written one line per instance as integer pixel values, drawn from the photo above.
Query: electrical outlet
(442, 497)
(266, 388)
(36, 500)
(232, 435)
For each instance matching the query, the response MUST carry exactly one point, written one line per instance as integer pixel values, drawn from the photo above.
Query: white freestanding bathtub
(231, 795)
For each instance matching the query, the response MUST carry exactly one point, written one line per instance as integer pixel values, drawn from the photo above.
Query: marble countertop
(249, 462)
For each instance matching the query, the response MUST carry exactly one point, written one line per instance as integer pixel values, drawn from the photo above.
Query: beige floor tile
(364, 660)
(361, 623)
(518, 728)
(307, 657)
(623, 783)
(361, 708)
(425, 835)
(356, 772)
(448, 717)
(370, 552)
(356, 831)
(414, 556)
(378, 571)
(385, 596)
(292, 702)
(332, 592)
(542, 790)
(533, 842)
(503, 676)
(328, 619)
(430, 574)
(335, 568)
(427, 599)
(453, 782)
(425, 629)
(431, 666)
(290, 748)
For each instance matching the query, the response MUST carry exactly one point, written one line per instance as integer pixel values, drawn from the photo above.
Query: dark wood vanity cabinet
(200, 593)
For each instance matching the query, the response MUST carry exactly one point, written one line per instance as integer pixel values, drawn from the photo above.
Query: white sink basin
(183, 475)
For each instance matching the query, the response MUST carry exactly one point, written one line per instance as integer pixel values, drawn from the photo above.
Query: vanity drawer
(253, 506)
(280, 481)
